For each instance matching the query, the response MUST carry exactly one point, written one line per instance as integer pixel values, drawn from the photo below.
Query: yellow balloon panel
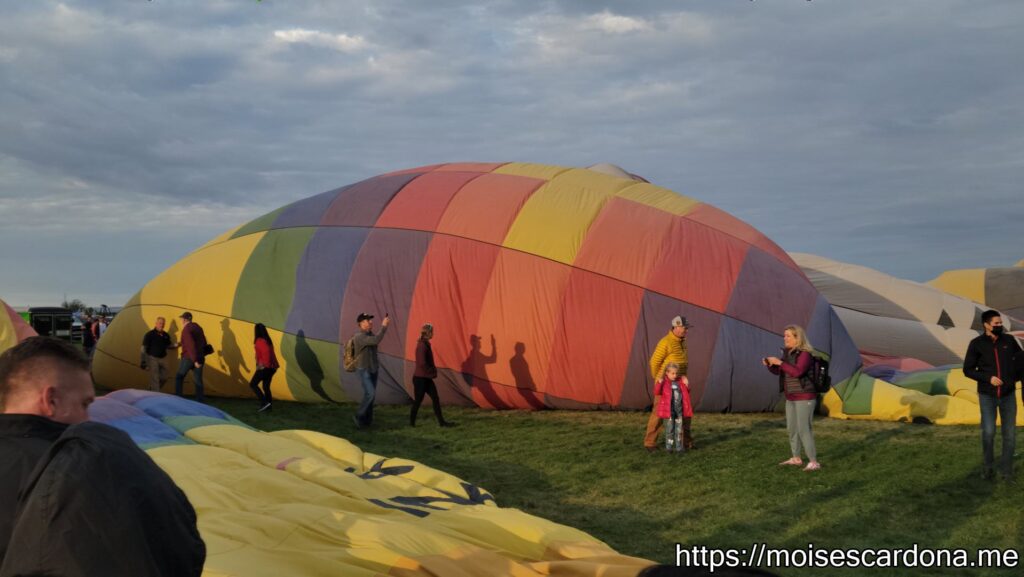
(227, 371)
(555, 219)
(969, 283)
(206, 281)
(658, 197)
(222, 238)
(893, 403)
(541, 171)
(12, 328)
(300, 503)
(8, 338)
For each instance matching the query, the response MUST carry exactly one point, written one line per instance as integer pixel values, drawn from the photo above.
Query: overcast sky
(885, 133)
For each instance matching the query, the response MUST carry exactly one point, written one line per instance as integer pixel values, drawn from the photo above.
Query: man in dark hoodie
(79, 498)
(992, 359)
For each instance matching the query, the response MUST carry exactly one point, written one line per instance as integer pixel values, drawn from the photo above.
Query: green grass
(882, 485)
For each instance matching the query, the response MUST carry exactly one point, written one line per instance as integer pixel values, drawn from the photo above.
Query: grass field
(882, 485)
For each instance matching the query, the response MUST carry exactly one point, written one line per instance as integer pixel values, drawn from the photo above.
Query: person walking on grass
(367, 364)
(423, 378)
(800, 394)
(193, 356)
(993, 360)
(266, 366)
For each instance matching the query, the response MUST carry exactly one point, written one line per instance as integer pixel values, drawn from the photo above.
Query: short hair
(428, 329)
(989, 315)
(672, 366)
(16, 358)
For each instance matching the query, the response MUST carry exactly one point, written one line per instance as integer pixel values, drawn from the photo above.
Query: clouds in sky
(881, 133)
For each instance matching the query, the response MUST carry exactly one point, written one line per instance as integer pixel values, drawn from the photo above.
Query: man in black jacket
(992, 359)
(79, 498)
(154, 349)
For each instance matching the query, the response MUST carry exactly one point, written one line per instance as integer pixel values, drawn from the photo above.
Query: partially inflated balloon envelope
(1000, 288)
(912, 337)
(301, 503)
(894, 317)
(547, 286)
(13, 329)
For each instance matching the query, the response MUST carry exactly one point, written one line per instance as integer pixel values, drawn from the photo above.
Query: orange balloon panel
(486, 207)
(420, 204)
(599, 317)
(603, 250)
(523, 305)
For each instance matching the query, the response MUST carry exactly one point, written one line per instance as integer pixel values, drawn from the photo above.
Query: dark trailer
(51, 321)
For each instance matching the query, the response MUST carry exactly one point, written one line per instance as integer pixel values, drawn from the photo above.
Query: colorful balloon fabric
(1000, 288)
(13, 329)
(890, 316)
(940, 395)
(912, 339)
(301, 503)
(548, 287)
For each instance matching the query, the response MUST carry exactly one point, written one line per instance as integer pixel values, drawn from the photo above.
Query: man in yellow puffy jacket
(671, 349)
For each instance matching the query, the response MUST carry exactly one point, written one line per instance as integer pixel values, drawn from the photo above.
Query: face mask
(997, 330)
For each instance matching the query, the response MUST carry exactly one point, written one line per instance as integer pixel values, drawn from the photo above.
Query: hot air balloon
(548, 287)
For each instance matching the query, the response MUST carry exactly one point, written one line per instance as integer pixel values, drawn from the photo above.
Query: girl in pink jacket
(675, 408)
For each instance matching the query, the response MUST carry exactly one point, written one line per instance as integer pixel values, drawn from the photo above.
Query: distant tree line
(77, 306)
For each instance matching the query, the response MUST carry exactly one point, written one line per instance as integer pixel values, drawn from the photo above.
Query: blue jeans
(184, 367)
(364, 414)
(1007, 407)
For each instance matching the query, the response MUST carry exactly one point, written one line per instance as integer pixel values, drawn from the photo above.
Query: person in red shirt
(801, 397)
(266, 366)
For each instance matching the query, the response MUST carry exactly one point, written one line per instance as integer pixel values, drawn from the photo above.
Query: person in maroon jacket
(423, 377)
(266, 366)
(193, 355)
(800, 394)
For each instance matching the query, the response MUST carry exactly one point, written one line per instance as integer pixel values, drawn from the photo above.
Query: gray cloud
(881, 133)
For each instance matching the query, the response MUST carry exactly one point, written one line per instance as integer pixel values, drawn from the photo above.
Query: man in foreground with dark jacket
(992, 360)
(79, 498)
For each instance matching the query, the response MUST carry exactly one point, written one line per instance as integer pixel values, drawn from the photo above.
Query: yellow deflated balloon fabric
(302, 503)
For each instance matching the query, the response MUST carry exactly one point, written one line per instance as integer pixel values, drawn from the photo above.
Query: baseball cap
(680, 321)
(185, 315)
(363, 317)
